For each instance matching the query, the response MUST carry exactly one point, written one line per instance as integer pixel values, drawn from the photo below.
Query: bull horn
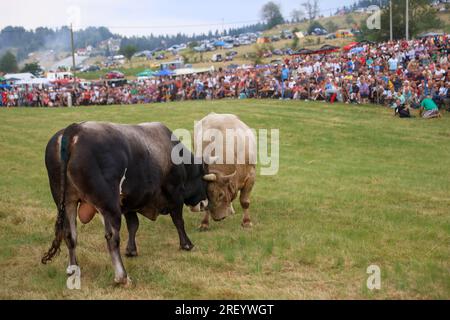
(229, 176)
(210, 177)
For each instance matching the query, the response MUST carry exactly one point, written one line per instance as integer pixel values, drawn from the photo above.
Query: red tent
(350, 46)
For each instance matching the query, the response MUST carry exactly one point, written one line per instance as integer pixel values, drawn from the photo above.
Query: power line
(222, 23)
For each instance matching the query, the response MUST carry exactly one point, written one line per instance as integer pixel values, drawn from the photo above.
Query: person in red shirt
(362, 60)
(5, 98)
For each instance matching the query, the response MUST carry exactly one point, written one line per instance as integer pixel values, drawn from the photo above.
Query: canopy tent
(303, 51)
(5, 86)
(326, 49)
(11, 80)
(350, 46)
(187, 71)
(146, 73)
(19, 76)
(356, 50)
(37, 81)
(163, 73)
(430, 34)
(300, 35)
(219, 44)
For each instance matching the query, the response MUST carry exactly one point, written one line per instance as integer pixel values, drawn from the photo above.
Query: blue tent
(163, 73)
(146, 73)
(219, 44)
(356, 50)
(5, 86)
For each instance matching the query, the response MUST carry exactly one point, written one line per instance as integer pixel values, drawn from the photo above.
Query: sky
(141, 17)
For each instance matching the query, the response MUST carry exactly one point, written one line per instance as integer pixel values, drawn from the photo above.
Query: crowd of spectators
(399, 74)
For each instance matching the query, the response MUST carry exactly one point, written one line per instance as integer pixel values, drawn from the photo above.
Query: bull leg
(244, 199)
(205, 222)
(112, 235)
(70, 232)
(177, 218)
(132, 225)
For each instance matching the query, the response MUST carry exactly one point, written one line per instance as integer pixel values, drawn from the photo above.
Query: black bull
(119, 169)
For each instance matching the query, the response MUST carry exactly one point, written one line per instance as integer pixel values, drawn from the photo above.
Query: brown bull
(231, 164)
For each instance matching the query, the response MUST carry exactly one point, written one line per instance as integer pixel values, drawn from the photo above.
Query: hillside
(201, 60)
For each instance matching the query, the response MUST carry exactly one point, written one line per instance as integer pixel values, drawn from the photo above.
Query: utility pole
(407, 20)
(73, 54)
(390, 19)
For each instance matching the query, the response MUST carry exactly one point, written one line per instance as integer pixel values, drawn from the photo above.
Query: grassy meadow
(356, 187)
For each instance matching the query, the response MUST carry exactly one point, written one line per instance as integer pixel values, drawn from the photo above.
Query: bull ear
(210, 177)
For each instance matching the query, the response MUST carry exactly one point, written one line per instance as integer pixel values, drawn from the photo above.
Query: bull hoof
(247, 224)
(187, 247)
(124, 282)
(203, 227)
(131, 253)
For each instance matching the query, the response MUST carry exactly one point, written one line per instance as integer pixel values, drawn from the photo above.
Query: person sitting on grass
(403, 111)
(429, 109)
(399, 100)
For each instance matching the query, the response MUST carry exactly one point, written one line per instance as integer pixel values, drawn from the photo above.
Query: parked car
(275, 38)
(114, 75)
(288, 51)
(319, 32)
(200, 49)
(90, 69)
(160, 56)
(276, 62)
(287, 34)
(277, 52)
(217, 58)
(174, 48)
(231, 53)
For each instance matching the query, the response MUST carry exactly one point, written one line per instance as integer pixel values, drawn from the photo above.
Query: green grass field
(356, 187)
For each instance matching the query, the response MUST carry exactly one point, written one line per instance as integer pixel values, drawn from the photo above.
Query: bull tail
(61, 216)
